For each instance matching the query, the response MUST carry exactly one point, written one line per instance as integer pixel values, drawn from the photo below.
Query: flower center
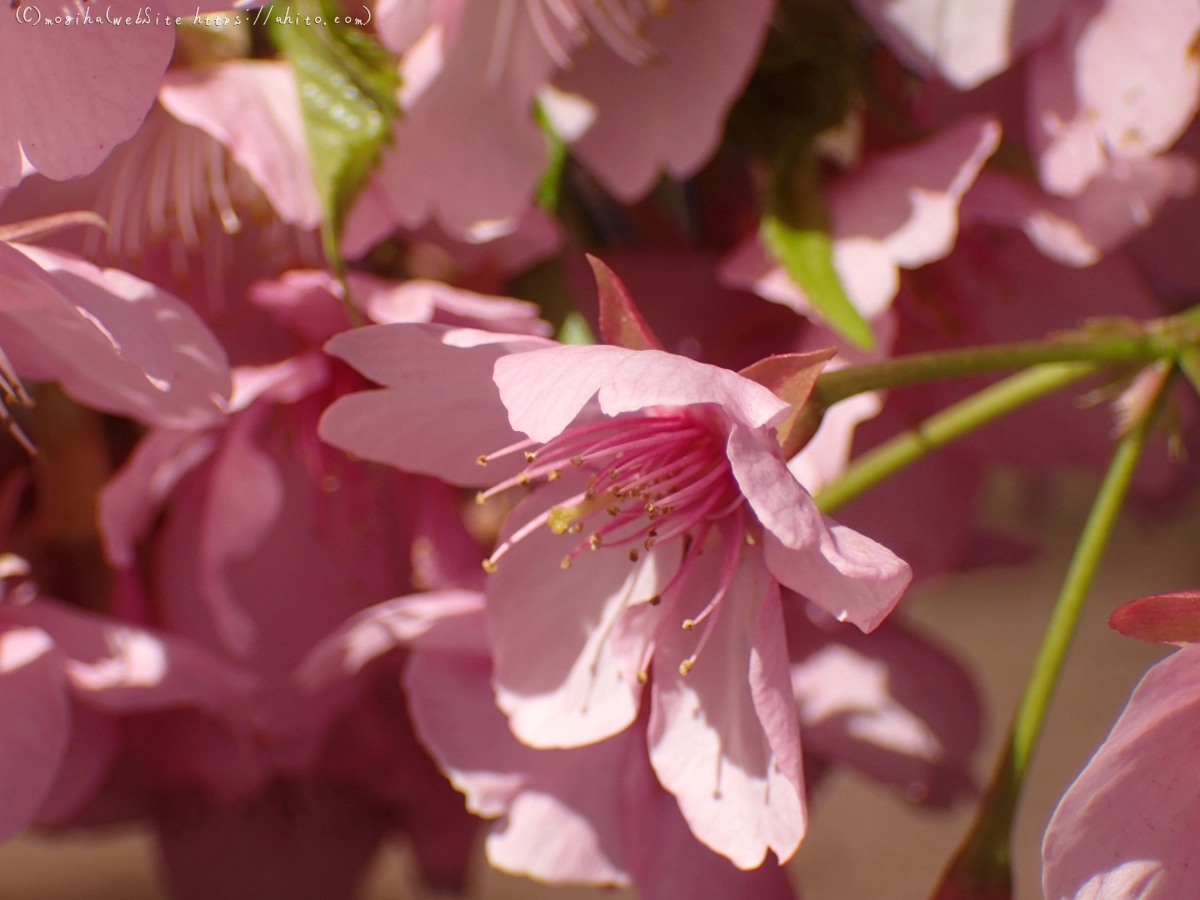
(654, 478)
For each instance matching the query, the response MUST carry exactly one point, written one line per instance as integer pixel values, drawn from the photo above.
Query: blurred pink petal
(893, 705)
(449, 620)
(112, 340)
(1163, 618)
(667, 115)
(1128, 825)
(243, 502)
(66, 123)
(1077, 231)
(37, 723)
(900, 210)
(1120, 83)
(467, 149)
(252, 108)
(964, 41)
(133, 497)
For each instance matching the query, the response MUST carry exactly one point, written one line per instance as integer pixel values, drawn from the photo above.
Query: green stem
(982, 868)
(921, 367)
(952, 422)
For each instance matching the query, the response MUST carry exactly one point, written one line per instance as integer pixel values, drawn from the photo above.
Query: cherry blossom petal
(130, 501)
(67, 122)
(1128, 825)
(114, 341)
(421, 300)
(558, 673)
(116, 668)
(894, 705)
(467, 150)
(626, 380)
(848, 575)
(244, 499)
(95, 743)
(561, 809)
(964, 41)
(721, 738)
(1079, 230)
(450, 621)
(1162, 618)
(253, 108)
(667, 115)
(441, 410)
(37, 723)
(1121, 83)
(899, 211)
(665, 859)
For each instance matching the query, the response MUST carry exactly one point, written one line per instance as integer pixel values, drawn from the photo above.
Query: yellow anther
(651, 509)
(655, 600)
(489, 566)
(642, 676)
(480, 497)
(530, 457)
(686, 665)
(613, 510)
(554, 475)
(576, 528)
(481, 459)
(689, 624)
(577, 460)
(595, 541)
(562, 517)
(566, 563)
(522, 479)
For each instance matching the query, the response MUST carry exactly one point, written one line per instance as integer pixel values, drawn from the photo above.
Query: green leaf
(347, 85)
(807, 255)
(1189, 361)
(550, 187)
(575, 330)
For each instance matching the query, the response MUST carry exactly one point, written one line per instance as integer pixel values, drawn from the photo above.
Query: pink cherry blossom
(694, 521)
(656, 82)
(1127, 827)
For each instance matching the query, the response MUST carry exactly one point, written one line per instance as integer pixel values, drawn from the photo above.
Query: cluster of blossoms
(345, 498)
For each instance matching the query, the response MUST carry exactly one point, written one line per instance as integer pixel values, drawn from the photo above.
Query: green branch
(982, 868)
(906, 448)
(917, 368)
